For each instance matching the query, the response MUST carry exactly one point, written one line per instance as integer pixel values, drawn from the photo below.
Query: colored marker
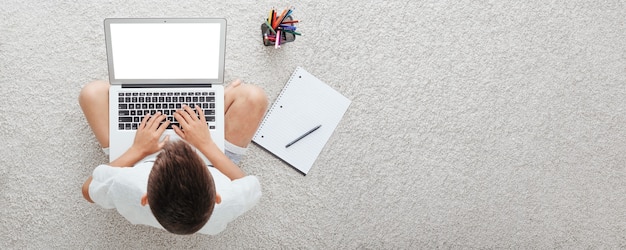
(288, 27)
(270, 26)
(293, 32)
(280, 19)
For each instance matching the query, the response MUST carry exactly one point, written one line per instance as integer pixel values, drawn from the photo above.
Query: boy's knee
(255, 96)
(93, 89)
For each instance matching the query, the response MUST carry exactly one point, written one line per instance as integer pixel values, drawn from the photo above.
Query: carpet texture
(473, 124)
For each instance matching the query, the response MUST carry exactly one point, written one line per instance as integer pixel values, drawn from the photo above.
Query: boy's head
(181, 191)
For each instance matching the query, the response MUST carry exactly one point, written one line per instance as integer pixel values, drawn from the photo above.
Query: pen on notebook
(304, 135)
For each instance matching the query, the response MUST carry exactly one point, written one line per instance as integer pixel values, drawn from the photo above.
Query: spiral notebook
(301, 120)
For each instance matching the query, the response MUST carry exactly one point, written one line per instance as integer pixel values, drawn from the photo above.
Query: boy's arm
(129, 158)
(86, 189)
(146, 143)
(197, 134)
(221, 161)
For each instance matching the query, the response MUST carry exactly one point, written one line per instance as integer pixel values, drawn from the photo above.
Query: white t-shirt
(122, 188)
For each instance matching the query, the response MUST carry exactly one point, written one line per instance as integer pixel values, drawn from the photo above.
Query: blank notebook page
(304, 103)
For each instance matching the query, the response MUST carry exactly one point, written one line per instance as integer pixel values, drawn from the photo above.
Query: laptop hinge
(141, 85)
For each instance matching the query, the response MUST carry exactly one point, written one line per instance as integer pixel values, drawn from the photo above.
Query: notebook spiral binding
(269, 112)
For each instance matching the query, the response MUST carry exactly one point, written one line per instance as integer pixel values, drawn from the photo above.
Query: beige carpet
(473, 124)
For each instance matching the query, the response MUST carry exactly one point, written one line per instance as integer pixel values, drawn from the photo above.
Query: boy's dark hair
(181, 191)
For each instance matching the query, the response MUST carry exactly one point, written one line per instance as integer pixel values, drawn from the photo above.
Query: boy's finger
(158, 121)
(179, 132)
(179, 117)
(153, 119)
(165, 140)
(201, 114)
(192, 115)
(185, 114)
(163, 126)
(144, 120)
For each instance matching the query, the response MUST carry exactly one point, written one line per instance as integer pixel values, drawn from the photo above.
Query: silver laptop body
(160, 64)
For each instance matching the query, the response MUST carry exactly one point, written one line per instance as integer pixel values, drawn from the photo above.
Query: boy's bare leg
(244, 108)
(94, 101)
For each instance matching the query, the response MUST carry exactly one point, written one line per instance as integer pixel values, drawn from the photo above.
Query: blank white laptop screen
(165, 50)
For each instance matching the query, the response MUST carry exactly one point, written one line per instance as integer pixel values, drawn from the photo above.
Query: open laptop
(158, 65)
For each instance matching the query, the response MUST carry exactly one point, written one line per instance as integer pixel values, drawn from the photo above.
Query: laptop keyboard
(133, 106)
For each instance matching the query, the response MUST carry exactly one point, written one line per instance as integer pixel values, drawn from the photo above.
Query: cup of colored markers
(279, 28)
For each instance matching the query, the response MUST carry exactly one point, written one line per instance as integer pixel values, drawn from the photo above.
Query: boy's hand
(196, 132)
(149, 132)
